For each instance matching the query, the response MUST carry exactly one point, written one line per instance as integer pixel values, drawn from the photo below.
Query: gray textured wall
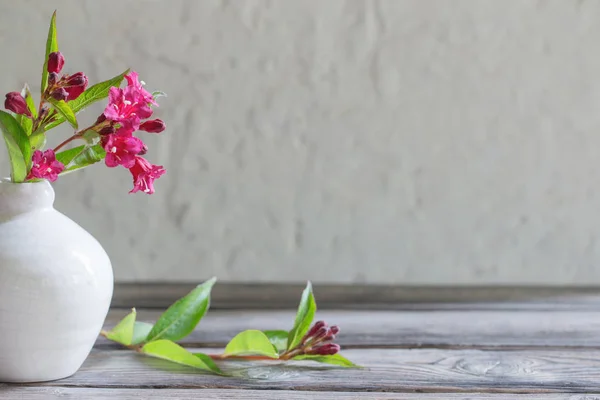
(351, 141)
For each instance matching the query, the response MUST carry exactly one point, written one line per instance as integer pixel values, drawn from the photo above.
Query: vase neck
(19, 198)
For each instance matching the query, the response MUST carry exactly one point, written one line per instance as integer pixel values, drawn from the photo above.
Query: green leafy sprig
(301, 343)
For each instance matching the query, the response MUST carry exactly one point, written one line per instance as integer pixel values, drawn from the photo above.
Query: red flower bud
(107, 130)
(335, 329)
(52, 78)
(59, 94)
(320, 334)
(75, 85)
(153, 126)
(55, 62)
(16, 103)
(101, 119)
(76, 79)
(318, 325)
(327, 349)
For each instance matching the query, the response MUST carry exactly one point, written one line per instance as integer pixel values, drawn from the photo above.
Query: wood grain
(267, 296)
(456, 371)
(35, 393)
(490, 329)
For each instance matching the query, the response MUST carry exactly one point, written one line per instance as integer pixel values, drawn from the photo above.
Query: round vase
(56, 284)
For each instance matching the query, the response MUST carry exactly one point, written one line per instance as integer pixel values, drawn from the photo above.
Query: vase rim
(21, 197)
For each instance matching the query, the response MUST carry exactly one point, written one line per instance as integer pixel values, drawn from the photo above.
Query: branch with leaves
(304, 342)
(111, 138)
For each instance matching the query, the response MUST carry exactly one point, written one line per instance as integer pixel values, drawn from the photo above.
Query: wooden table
(416, 343)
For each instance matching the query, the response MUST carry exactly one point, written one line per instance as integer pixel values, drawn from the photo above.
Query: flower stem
(67, 141)
(245, 358)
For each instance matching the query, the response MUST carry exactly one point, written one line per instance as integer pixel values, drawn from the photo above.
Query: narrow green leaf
(37, 140)
(156, 94)
(278, 339)
(140, 332)
(26, 93)
(304, 317)
(66, 156)
(91, 137)
(51, 47)
(182, 317)
(251, 342)
(25, 122)
(65, 111)
(19, 149)
(335, 359)
(89, 156)
(93, 94)
(170, 351)
(123, 332)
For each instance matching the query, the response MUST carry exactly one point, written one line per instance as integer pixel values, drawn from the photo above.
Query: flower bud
(318, 325)
(335, 329)
(107, 130)
(327, 349)
(75, 92)
(101, 119)
(75, 85)
(320, 334)
(153, 126)
(59, 94)
(52, 78)
(16, 103)
(76, 79)
(55, 62)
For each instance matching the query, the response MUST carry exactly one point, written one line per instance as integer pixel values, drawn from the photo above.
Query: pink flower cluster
(45, 166)
(125, 113)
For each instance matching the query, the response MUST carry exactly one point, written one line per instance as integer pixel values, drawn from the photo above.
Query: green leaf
(91, 137)
(304, 317)
(170, 351)
(140, 332)
(182, 317)
(66, 156)
(90, 155)
(335, 359)
(251, 342)
(19, 149)
(123, 332)
(156, 94)
(37, 140)
(278, 339)
(26, 93)
(65, 111)
(51, 47)
(25, 122)
(93, 94)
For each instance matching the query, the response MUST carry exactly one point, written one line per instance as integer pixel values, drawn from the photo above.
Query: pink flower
(144, 175)
(127, 107)
(45, 166)
(133, 81)
(121, 148)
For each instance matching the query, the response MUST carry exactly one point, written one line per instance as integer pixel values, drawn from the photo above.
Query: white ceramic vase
(56, 283)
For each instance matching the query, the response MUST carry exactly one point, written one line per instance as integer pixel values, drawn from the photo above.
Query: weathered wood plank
(407, 328)
(34, 393)
(228, 295)
(431, 370)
